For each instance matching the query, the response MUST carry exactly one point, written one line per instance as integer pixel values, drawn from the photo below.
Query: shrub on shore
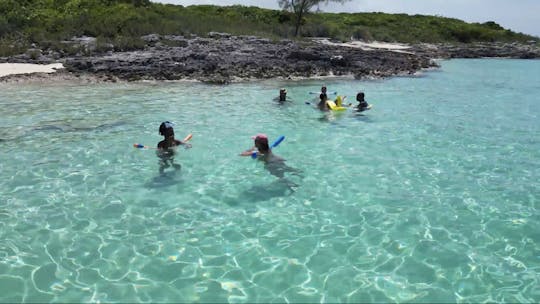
(123, 22)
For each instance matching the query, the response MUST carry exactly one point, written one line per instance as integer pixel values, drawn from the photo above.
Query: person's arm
(248, 152)
(344, 104)
(183, 143)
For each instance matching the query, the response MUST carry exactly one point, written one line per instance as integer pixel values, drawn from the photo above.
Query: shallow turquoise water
(432, 196)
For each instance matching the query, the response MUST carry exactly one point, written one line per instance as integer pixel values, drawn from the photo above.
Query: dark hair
(263, 144)
(166, 128)
(360, 95)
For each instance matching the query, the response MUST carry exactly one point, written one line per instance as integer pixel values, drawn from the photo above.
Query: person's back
(282, 95)
(269, 157)
(167, 147)
(322, 105)
(362, 103)
(276, 165)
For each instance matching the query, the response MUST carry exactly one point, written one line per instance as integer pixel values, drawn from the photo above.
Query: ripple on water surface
(431, 196)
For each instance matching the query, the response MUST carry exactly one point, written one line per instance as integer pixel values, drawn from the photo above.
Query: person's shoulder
(161, 144)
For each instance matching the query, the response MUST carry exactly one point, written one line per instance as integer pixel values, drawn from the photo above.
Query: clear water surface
(432, 196)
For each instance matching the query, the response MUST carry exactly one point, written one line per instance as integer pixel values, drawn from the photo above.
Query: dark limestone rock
(222, 58)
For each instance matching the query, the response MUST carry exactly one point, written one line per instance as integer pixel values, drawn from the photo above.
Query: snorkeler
(167, 147)
(362, 103)
(262, 149)
(323, 105)
(282, 95)
(323, 93)
(273, 163)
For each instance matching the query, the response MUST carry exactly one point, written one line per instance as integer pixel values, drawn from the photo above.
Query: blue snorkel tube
(274, 144)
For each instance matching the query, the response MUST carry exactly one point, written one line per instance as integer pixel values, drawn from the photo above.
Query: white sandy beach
(28, 68)
(396, 47)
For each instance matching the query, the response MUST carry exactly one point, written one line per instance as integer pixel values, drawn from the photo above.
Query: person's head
(360, 96)
(323, 89)
(261, 142)
(166, 129)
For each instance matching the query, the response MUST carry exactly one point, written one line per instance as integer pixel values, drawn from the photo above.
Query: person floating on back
(362, 103)
(167, 147)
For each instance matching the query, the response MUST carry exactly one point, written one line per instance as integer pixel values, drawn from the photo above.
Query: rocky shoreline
(222, 58)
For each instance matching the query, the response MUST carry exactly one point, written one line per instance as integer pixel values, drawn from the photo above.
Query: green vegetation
(121, 23)
(416, 28)
(300, 8)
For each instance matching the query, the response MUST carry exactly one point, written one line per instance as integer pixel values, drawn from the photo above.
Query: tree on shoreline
(301, 7)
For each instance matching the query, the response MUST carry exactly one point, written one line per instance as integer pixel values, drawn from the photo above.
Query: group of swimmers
(323, 100)
(261, 150)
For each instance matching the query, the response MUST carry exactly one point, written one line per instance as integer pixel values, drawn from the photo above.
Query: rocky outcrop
(479, 50)
(222, 58)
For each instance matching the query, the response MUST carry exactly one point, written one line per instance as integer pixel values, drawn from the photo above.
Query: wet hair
(360, 96)
(262, 143)
(166, 129)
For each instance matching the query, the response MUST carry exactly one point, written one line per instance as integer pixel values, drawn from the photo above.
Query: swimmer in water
(167, 147)
(362, 103)
(323, 105)
(273, 163)
(282, 95)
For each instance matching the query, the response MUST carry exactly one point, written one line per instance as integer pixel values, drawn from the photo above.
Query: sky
(518, 15)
